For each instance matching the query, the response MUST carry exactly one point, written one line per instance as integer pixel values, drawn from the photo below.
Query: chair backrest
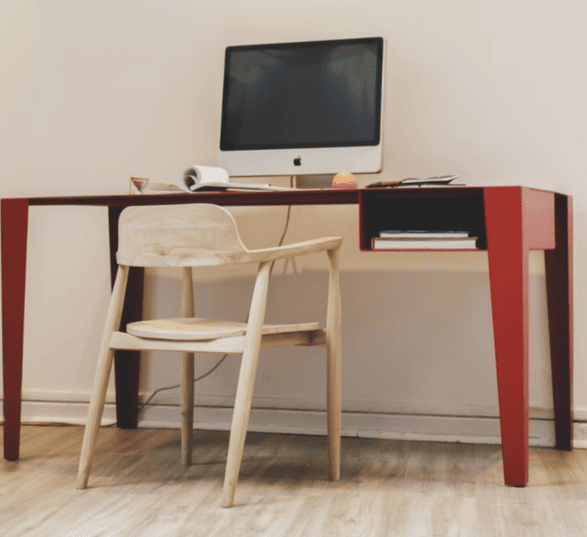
(198, 234)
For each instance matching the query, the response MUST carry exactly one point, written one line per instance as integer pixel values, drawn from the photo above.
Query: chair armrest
(179, 259)
(288, 250)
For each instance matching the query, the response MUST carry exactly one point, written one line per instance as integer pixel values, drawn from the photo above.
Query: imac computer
(308, 108)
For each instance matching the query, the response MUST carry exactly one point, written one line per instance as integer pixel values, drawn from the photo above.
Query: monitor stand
(308, 182)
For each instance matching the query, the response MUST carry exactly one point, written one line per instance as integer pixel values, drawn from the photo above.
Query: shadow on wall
(407, 337)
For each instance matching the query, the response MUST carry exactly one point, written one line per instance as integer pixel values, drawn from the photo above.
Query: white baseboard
(434, 426)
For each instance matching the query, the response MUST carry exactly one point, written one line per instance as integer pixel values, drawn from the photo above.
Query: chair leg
(246, 382)
(187, 408)
(334, 365)
(187, 377)
(103, 369)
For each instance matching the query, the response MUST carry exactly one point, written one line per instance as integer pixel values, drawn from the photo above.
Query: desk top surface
(281, 197)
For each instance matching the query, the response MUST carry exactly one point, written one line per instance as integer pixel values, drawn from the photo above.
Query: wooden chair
(200, 235)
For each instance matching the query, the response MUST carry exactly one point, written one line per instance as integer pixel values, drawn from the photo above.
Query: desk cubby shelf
(422, 209)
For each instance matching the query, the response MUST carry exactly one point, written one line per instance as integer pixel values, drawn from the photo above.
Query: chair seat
(201, 329)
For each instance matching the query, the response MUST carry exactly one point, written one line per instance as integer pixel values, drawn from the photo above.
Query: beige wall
(94, 92)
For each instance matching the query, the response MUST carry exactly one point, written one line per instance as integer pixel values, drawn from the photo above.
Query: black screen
(296, 95)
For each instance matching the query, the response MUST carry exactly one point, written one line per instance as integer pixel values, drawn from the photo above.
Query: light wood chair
(200, 235)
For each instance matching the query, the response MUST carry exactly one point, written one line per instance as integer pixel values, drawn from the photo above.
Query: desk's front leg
(508, 274)
(14, 228)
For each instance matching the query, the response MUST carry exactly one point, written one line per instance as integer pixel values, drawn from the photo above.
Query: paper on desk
(198, 178)
(211, 178)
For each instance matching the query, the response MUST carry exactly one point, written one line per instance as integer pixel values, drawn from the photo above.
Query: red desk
(509, 221)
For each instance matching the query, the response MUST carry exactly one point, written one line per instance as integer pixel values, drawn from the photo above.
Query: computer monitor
(303, 108)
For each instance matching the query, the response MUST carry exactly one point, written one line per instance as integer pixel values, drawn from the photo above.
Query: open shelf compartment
(421, 209)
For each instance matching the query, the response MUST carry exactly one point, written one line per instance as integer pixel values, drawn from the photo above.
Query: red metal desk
(510, 222)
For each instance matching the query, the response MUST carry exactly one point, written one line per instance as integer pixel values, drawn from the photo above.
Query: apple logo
(297, 161)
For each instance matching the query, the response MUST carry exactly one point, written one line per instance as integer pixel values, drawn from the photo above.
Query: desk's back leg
(126, 363)
(559, 288)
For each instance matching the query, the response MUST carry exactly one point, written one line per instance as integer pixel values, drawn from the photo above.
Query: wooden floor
(139, 488)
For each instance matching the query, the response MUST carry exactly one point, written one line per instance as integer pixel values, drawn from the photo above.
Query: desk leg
(14, 227)
(508, 274)
(559, 289)
(126, 363)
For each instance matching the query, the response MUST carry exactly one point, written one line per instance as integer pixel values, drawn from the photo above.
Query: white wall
(94, 92)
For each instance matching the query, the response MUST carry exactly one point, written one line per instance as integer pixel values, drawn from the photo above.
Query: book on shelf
(417, 234)
(424, 240)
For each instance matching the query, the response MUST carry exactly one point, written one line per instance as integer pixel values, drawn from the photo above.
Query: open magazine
(438, 180)
(198, 179)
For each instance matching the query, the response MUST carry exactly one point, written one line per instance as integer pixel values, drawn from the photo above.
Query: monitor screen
(298, 108)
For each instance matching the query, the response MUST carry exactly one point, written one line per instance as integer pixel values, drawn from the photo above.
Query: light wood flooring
(138, 487)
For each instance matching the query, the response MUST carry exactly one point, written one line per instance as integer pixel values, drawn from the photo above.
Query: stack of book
(424, 240)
